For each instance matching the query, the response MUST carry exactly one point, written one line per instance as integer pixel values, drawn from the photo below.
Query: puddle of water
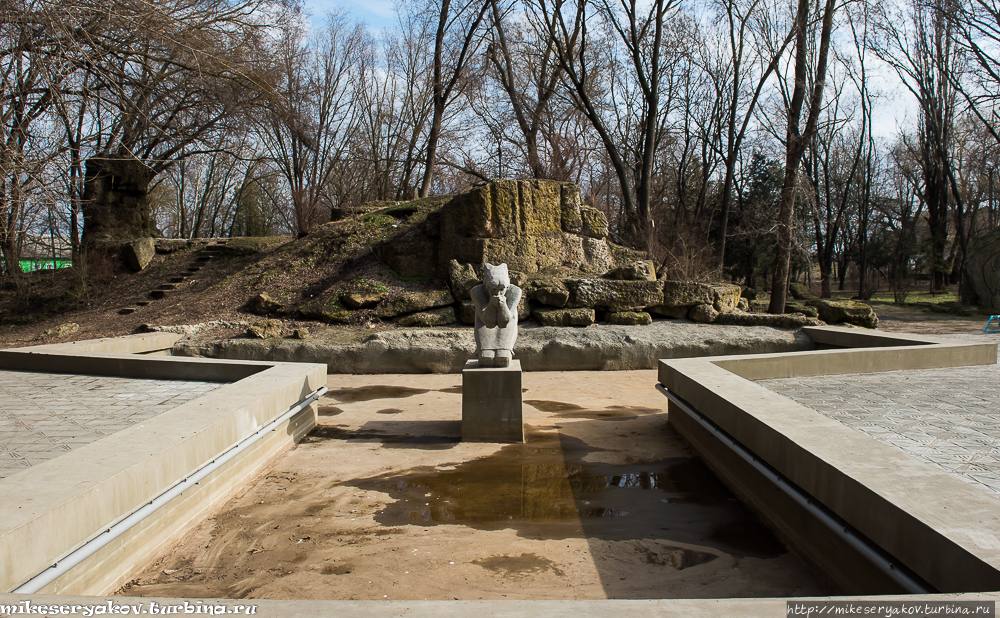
(679, 558)
(515, 566)
(544, 489)
(433, 441)
(561, 409)
(375, 391)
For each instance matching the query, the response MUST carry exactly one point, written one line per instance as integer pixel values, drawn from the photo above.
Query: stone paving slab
(947, 417)
(43, 415)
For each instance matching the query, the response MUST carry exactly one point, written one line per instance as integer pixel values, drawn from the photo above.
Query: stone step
(177, 279)
(167, 286)
(126, 310)
(204, 258)
(142, 303)
(158, 294)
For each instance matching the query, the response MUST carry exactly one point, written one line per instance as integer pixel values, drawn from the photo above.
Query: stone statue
(496, 316)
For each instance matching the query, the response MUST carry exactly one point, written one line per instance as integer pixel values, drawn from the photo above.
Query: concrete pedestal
(491, 403)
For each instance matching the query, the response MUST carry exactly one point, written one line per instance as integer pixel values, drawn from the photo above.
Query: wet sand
(383, 501)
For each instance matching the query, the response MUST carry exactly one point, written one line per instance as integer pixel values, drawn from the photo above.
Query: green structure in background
(28, 266)
(43, 252)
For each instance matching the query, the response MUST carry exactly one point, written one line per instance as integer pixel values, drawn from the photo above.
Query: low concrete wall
(53, 507)
(594, 608)
(599, 347)
(943, 530)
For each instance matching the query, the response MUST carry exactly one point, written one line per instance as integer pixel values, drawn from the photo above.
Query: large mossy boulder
(799, 291)
(682, 296)
(981, 280)
(845, 311)
(612, 295)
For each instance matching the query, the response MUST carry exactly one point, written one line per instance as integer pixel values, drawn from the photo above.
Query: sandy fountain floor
(383, 501)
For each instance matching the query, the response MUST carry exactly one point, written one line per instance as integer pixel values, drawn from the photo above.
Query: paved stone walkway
(43, 415)
(947, 417)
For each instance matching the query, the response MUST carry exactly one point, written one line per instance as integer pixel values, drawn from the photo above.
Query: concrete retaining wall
(943, 530)
(53, 507)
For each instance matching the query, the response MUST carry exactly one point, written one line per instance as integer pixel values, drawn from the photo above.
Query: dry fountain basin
(610, 497)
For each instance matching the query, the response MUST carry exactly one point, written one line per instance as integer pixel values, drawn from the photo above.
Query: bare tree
(797, 138)
(456, 39)
(920, 46)
(740, 68)
(976, 24)
(634, 42)
(306, 127)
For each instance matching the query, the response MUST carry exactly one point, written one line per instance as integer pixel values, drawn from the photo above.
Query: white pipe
(86, 550)
(835, 525)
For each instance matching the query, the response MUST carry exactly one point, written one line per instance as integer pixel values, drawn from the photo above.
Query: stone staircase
(208, 252)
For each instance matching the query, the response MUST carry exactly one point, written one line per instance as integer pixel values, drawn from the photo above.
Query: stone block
(629, 318)
(461, 279)
(594, 223)
(612, 295)
(784, 320)
(565, 317)
(263, 304)
(548, 291)
(138, 253)
(703, 314)
(639, 270)
(846, 311)
(491, 403)
(265, 329)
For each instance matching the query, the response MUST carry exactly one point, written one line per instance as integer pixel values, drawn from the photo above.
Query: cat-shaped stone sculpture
(496, 316)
